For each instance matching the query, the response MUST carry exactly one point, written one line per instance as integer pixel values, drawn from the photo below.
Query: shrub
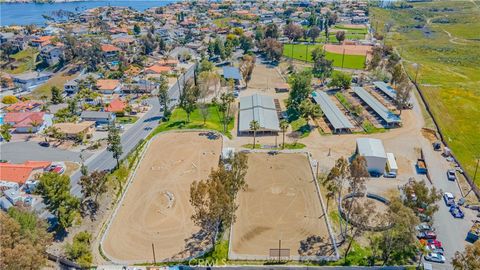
(9, 99)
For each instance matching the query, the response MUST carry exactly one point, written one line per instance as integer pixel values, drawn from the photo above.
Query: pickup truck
(421, 166)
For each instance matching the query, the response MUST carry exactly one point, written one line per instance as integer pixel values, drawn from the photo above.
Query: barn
(374, 153)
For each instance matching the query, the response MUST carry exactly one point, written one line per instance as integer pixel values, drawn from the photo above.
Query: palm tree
(284, 126)
(254, 126)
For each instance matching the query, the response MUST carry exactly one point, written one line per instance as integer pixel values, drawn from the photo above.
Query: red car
(426, 235)
(435, 242)
(58, 169)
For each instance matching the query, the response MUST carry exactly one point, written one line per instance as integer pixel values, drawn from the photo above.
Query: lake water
(31, 13)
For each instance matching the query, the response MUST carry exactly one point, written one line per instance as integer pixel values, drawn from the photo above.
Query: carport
(387, 116)
(336, 118)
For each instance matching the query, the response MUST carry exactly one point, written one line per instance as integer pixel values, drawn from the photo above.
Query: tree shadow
(315, 245)
(197, 243)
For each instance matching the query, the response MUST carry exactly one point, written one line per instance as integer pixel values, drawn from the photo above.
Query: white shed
(374, 153)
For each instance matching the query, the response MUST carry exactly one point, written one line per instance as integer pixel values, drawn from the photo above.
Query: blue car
(456, 212)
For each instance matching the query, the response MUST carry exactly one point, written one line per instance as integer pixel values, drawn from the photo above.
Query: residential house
(71, 87)
(42, 41)
(117, 106)
(52, 54)
(28, 122)
(108, 86)
(100, 118)
(21, 173)
(25, 106)
(75, 131)
(31, 79)
(142, 87)
(158, 69)
(110, 52)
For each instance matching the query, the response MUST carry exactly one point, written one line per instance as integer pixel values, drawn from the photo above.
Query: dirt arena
(349, 49)
(156, 207)
(280, 203)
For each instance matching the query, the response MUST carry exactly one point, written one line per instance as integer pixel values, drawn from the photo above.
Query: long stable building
(261, 109)
(388, 117)
(386, 89)
(336, 118)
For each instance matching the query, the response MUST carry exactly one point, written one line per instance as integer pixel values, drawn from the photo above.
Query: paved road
(105, 161)
(19, 152)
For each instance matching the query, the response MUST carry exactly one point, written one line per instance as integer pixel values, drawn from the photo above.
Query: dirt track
(280, 203)
(156, 208)
(349, 49)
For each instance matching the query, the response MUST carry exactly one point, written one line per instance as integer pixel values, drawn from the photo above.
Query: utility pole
(343, 56)
(279, 249)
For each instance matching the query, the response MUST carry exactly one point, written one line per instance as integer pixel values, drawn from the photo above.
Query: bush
(9, 99)
(79, 250)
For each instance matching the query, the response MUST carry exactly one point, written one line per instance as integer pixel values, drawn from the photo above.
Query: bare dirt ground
(280, 203)
(156, 207)
(349, 49)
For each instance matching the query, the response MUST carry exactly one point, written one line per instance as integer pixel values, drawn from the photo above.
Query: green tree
(271, 31)
(225, 108)
(246, 43)
(114, 143)
(341, 80)
(163, 95)
(93, 186)
(293, 31)
(322, 67)
(301, 87)
(80, 250)
(425, 198)
(309, 110)
(205, 65)
(136, 29)
(246, 67)
(55, 192)
(254, 126)
(469, 259)
(284, 127)
(334, 183)
(402, 98)
(273, 49)
(188, 98)
(5, 131)
(23, 240)
(314, 33)
(56, 95)
(340, 36)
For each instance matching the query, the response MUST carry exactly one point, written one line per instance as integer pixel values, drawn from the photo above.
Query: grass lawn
(290, 146)
(58, 80)
(178, 120)
(301, 125)
(25, 60)
(448, 75)
(303, 52)
(126, 119)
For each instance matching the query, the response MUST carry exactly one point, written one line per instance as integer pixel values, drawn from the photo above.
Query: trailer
(392, 167)
(421, 166)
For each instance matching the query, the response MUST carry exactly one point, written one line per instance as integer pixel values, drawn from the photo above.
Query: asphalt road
(19, 152)
(104, 159)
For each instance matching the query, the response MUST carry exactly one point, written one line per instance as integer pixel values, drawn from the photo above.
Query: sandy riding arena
(280, 203)
(156, 207)
(349, 49)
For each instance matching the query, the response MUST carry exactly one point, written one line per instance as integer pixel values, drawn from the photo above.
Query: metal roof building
(331, 111)
(374, 153)
(387, 116)
(261, 109)
(387, 89)
(232, 73)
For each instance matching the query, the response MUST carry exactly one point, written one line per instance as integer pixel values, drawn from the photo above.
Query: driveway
(19, 152)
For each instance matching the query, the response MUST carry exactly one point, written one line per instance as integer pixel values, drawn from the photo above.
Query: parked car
(427, 235)
(435, 257)
(424, 218)
(44, 144)
(434, 249)
(102, 128)
(424, 227)
(456, 211)
(434, 242)
(449, 198)
(451, 175)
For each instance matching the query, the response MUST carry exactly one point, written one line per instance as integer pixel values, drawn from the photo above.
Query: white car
(435, 257)
(449, 198)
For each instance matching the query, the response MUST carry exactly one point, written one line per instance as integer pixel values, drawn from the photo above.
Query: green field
(24, 60)
(178, 120)
(448, 52)
(304, 51)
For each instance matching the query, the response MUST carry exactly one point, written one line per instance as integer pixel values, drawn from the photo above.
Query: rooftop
(331, 111)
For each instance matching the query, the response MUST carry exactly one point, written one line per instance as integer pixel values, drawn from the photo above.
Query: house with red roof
(158, 69)
(110, 51)
(117, 106)
(27, 122)
(25, 106)
(42, 41)
(21, 173)
(108, 86)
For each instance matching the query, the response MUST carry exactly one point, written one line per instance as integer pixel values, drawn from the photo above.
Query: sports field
(304, 51)
(447, 50)
(156, 208)
(280, 203)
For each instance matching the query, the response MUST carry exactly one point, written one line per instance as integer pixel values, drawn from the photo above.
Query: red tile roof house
(108, 86)
(25, 106)
(28, 122)
(110, 52)
(16, 175)
(157, 69)
(117, 106)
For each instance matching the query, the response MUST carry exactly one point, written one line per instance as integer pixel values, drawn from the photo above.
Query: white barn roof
(331, 111)
(369, 147)
(383, 112)
(261, 109)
